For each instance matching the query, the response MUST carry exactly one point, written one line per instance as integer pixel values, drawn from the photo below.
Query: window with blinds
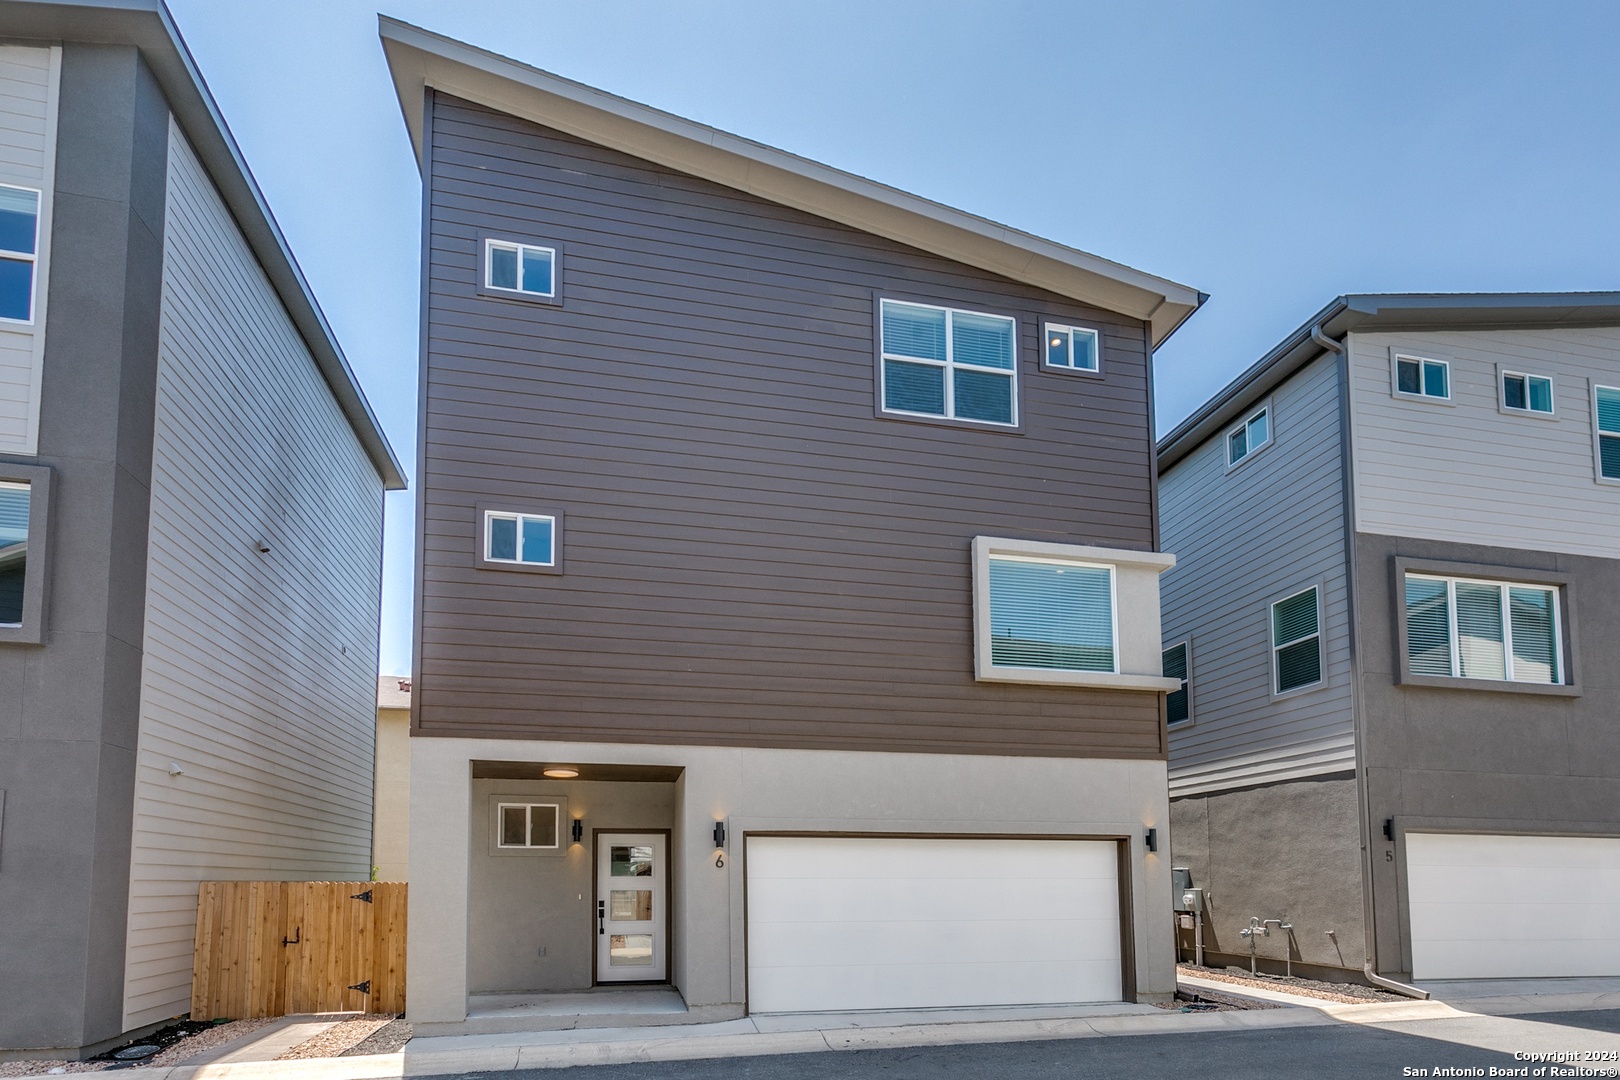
(1047, 613)
(1177, 703)
(948, 364)
(1495, 630)
(1606, 404)
(1296, 641)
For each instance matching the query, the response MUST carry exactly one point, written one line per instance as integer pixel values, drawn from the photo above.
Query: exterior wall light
(719, 834)
(1152, 839)
(579, 829)
(561, 772)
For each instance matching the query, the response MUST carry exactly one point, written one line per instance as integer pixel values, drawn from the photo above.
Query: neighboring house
(1398, 537)
(787, 590)
(390, 817)
(191, 490)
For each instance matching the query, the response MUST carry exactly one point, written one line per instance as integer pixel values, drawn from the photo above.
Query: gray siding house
(191, 492)
(1394, 600)
(787, 595)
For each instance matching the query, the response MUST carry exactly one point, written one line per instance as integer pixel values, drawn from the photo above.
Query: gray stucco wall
(1286, 851)
(520, 903)
(70, 707)
(1484, 760)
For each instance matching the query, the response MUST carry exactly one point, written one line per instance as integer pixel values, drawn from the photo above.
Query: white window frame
(491, 243)
(1113, 602)
(1186, 684)
(1502, 374)
(1593, 386)
(1451, 583)
(23, 256)
(1134, 580)
(1048, 329)
(528, 820)
(1276, 650)
(1395, 358)
(516, 515)
(950, 364)
(1248, 418)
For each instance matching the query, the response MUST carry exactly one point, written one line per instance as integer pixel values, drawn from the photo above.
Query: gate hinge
(366, 896)
(363, 987)
(294, 940)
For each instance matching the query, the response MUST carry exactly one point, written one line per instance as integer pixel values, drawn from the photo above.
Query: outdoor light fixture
(1152, 839)
(561, 772)
(719, 834)
(579, 829)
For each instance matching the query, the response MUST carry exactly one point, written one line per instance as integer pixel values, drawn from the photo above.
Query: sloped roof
(1384, 313)
(393, 691)
(147, 25)
(419, 58)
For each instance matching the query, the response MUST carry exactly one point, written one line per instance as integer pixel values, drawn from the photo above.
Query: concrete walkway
(1483, 1022)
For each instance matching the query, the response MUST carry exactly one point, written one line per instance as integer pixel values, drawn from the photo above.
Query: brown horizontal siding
(752, 558)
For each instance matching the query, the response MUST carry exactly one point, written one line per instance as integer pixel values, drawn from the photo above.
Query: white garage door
(1512, 907)
(843, 924)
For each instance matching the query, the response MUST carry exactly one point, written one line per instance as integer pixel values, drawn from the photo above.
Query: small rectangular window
(1296, 641)
(1072, 348)
(1491, 630)
(525, 269)
(19, 247)
(1417, 376)
(1047, 613)
(1178, 703)
(528, 825)
(519, 538)
(1606, 410)
(1527, 393)
(1249, 436)
(950, 364)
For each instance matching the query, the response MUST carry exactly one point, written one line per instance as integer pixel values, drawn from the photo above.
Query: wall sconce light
(1152, 839)
(579, 829)
(719, 834)
(1389, 829)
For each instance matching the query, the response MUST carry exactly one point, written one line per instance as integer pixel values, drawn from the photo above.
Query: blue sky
(1272, 155)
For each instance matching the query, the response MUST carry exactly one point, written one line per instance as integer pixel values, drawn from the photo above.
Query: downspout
(1346, 461)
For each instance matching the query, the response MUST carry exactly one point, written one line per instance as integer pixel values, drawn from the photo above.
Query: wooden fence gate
(273, 948)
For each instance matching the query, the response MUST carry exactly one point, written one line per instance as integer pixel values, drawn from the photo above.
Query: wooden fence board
(271, 948)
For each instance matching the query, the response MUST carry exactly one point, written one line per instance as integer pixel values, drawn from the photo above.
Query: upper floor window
(519, 538)
(522, 269)
(1296, 641)
(1527, 393)
(1417, 376)
(1072, 348)
(1249, 436)
(19, 250)
(1178, 666)
(1051, 613)
(1606, 430)
(1470, 629)
(950, 364)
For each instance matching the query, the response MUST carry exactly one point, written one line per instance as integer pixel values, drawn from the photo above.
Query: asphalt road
(1328, 1052)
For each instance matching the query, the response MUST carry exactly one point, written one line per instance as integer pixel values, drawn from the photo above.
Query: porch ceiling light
(561, 772)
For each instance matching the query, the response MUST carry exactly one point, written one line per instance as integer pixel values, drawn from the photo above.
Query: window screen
(1482, 629)
(1249, 436)
(519, 538)
(1048, 614)
(520, 268)
(1527, 393)
(1296, 641)
(1176, 703)
(528, 825)
(1074, 348)
(958, 365)
(1420, 377)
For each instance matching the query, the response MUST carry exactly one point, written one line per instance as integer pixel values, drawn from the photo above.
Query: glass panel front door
(631, 938)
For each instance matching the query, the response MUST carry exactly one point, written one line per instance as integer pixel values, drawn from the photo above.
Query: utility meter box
(1180, 882)
(1191, 900)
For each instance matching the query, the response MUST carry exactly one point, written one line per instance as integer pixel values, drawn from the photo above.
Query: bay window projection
(1493, 630)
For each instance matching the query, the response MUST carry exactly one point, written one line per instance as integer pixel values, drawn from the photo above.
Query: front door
(631, 943)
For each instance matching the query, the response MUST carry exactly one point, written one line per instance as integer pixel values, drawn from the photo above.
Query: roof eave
(418, 59)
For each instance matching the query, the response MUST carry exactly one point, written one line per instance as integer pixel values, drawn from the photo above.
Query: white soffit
(419, 58)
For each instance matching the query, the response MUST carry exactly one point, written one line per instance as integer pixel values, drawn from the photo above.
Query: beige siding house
(391, 814)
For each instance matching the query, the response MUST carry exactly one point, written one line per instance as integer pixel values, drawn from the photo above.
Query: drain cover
(131, 1053)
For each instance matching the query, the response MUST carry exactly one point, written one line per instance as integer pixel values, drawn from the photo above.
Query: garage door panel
(1513, 906)
(880, 923)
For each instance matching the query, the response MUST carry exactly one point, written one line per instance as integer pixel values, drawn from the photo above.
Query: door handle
(601, 916)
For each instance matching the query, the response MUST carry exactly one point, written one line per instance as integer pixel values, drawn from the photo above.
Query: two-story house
(787, 590)
(1398, 537)
(191, 491)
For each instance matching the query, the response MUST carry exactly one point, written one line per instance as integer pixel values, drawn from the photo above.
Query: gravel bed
(180, 1041)
(339, 1038)
(1345, 993)
(1210, 1001)
(389, 1039)
(218, 1035)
